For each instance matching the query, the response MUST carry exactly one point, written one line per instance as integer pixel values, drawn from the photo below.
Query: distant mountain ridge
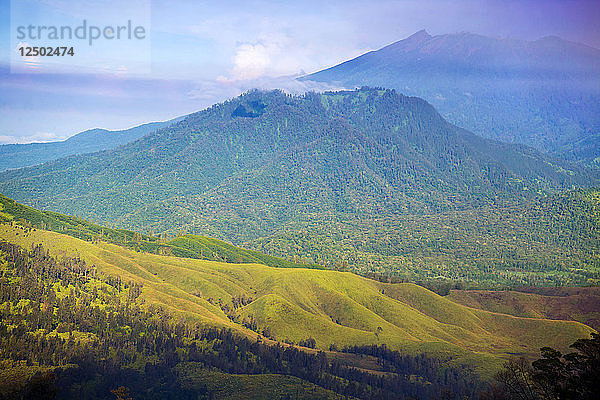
(543, 93)
(241, 169)
(14, 156)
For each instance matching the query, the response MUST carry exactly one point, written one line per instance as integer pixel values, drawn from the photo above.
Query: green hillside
(574, 304)
(206, 248)
(242, 169)
(293, 304)
(185, 246)
(550, 241)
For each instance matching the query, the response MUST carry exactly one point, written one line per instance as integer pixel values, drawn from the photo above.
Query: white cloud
(213, 91)
(250, 61)
(39, 137)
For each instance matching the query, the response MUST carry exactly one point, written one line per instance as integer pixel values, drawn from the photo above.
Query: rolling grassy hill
(574, 304)
(292, 304)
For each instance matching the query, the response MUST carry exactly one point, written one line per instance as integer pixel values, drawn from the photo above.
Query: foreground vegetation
(572, 376)
(90, 316)
(295, 304)
(68, 330)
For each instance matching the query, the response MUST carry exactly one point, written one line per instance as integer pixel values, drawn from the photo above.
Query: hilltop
(13, 156)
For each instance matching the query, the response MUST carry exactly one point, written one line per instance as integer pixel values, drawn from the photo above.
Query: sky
(196, 53)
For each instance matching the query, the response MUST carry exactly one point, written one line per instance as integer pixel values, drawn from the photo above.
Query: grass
(574, 304)
(333, 307)
(224, 386)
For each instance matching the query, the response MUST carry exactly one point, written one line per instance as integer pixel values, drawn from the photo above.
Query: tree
(554, 376)
(122, 393)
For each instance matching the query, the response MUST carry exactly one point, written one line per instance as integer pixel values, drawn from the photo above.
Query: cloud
(250, 61)
(39, 137)
(223, 88)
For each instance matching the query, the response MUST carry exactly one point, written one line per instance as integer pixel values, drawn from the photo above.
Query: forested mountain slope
(241, 169)
(543, 93)
(548, 241)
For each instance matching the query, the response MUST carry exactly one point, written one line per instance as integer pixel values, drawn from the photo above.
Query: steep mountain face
(241, 169)
(543, 93)
(13, 156)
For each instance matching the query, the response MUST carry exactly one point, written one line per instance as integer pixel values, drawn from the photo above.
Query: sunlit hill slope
(292, 304)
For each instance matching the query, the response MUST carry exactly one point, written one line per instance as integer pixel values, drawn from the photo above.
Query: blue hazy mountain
(543, 93)
(14, 156)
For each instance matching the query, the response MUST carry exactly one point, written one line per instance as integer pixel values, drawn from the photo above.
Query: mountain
(543, 93)
(13, 156)
(241, 169)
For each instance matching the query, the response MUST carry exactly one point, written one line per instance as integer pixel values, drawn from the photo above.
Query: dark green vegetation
(573, 376)
(205, 248)
(183, 246)
(552, 240)
(14, 156)
(265, 164)
(68, 330)
(543, 93)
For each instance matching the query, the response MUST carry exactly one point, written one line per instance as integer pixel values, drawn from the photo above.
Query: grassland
(574, 304)
(334, 308)
(249, 387)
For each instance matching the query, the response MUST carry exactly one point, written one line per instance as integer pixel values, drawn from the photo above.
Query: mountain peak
(417, 38)
(420, 35)
(412, 42)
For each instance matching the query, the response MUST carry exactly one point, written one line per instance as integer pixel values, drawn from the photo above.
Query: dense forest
(241, 169)
(69, 332)
(549, 241)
